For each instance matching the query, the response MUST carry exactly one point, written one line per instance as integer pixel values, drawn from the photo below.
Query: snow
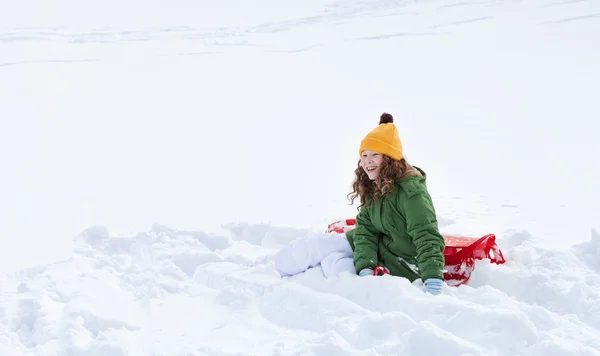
(166, 291)
(151, 152)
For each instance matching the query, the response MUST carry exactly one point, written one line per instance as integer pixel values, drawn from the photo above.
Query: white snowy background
(150, 151)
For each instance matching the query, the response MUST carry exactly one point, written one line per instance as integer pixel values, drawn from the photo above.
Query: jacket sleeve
(422, 226)
(365, 242)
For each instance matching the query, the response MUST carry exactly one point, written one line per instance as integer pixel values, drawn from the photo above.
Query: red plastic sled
(460, 252)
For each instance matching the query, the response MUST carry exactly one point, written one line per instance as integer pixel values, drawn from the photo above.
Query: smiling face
(371, 161)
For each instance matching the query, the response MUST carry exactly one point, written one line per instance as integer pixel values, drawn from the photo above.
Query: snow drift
(171, 292)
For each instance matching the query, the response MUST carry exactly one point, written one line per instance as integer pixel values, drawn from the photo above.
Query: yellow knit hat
(383, 139)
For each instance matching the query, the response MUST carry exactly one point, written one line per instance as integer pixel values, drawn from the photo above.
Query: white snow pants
(330, 250)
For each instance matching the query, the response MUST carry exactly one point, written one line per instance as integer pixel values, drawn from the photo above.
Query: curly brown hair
(369, 191)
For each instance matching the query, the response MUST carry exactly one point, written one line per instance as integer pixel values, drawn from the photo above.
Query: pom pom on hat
(386, 119)
(383, 139)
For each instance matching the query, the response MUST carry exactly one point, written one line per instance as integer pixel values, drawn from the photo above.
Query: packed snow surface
(151, 152)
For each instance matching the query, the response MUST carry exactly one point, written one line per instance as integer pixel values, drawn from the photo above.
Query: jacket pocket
(412, 267)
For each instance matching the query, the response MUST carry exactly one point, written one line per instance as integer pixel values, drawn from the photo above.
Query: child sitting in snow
(396, 227)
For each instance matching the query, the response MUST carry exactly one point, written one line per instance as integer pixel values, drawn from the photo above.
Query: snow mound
(173, 292)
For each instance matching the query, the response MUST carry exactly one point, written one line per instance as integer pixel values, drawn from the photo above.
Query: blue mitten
(365, 272)
(432, 286)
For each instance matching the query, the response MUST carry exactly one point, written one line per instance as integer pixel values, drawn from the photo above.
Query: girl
(396, 227)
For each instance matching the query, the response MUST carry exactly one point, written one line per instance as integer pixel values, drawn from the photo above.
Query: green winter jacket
(400, 233)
